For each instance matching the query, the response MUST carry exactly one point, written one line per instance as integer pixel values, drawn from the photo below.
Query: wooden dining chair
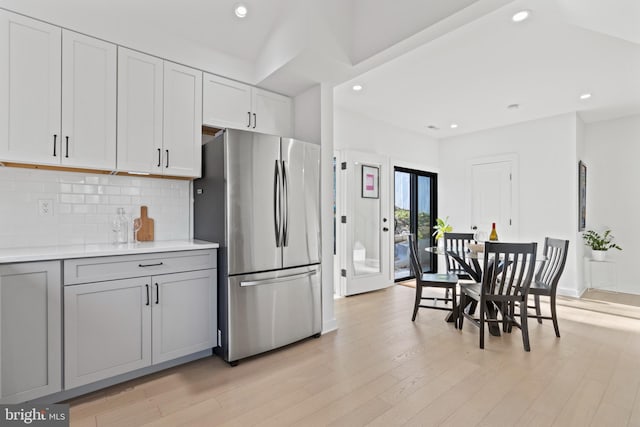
(447, 281)
(506, 279)
(459, 244)
(546, 279)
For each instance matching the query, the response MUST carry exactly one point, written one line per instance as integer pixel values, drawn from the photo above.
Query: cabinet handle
(147, 294)
(249, 114)
(150, 265)
(255, 120)
(167, 158)
(55, 143)
(159, 156)
(157, 294)
(66, 154)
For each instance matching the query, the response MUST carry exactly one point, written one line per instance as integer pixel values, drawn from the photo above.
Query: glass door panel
(414, 213)
(424, 223)
(402, 224)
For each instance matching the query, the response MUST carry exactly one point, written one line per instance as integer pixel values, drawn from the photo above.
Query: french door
(415, 212)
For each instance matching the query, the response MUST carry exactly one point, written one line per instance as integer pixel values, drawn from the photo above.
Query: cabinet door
(107, 329)
(29, 90)
(273, 113)
(139, 112)
(225, 103)
(182, 120)
(184, 314)
(88, 102)
(30, 331)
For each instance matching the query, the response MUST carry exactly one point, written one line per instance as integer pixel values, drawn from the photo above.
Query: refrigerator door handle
(276, 203)
(278, 279)
(285, 189)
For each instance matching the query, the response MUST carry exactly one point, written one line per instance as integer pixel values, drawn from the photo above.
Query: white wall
(306, 123)
(546, 185)
(84, 205)
(403, 147)
(612, 153)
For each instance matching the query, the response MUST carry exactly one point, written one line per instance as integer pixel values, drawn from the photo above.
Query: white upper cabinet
(229, 104)
(271, 112)
(30, 70)
(182, 135)
(140, 88)
(88, 102)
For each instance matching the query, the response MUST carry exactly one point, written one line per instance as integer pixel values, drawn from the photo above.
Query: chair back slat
(556, 253)
(459, 244)
(508, 268)
(416, 268)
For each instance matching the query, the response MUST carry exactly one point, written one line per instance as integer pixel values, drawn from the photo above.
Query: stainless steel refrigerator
(259, 197)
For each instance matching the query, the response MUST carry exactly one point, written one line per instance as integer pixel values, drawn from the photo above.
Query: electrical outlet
(45, 207)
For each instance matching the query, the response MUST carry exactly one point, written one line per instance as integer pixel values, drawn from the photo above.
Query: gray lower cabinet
(30, 331)
(117, 326)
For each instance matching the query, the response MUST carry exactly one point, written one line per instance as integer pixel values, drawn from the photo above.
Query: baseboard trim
(329, 326)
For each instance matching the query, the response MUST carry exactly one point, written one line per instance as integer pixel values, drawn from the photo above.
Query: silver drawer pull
(279, 279)
(150, 265)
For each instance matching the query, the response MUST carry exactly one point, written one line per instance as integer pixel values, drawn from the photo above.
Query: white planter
(598, 255)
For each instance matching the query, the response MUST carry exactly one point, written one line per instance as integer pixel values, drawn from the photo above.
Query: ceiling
(470, 75)
(422, 62)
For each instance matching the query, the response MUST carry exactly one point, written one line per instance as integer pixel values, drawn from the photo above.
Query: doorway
(415, 212)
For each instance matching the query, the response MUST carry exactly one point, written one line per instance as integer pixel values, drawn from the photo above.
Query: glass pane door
(414, 213)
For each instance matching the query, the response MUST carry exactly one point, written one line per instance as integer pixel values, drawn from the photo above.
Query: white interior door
(364, 223)
(492, 198)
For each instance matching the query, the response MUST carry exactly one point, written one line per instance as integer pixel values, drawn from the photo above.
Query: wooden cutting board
(145, 234)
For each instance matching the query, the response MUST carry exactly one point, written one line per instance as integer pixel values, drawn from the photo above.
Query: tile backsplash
(83, 206)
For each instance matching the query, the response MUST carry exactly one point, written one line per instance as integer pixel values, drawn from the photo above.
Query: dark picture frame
(582, 195)
(370, 182)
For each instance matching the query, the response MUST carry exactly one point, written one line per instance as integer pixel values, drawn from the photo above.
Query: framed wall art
(582, 195)
(370, 182)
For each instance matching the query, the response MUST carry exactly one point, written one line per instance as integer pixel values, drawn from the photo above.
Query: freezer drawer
(270, 310)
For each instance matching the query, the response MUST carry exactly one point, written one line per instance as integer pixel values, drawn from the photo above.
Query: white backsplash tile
(84, 206)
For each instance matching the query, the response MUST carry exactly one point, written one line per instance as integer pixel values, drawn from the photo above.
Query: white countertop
(46, 253)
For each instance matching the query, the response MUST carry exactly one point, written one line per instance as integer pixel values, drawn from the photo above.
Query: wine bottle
(494, 234)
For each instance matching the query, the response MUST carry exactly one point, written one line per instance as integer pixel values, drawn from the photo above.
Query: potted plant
(442, 226)
(599, 244)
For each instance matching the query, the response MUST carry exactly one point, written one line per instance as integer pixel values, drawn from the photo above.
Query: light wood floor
(381, 369)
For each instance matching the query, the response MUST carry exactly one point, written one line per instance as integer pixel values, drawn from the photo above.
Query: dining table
(471, 262)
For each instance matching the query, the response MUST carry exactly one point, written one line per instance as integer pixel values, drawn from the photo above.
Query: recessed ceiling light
(241, 10)
(357, 88)
(513, 106)
(520, 16)
(585, 96)
(454, 125)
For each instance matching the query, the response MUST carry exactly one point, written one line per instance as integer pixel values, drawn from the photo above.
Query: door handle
(159, 156)
(249, 114)
(66, 154)
(276, 203)
(147, 294)
(55, 143)
(255, 120)
(167, 158)
(150, 265)
(157, 294)
(279, 279)
(285, 189)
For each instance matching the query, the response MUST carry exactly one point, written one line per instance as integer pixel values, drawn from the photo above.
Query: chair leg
(482, 313)
(504, 307)
(554, 316)
(537, 300)
(524, 327)
(454, 305)
(446, 294)
(463, 303)
(416, 304)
